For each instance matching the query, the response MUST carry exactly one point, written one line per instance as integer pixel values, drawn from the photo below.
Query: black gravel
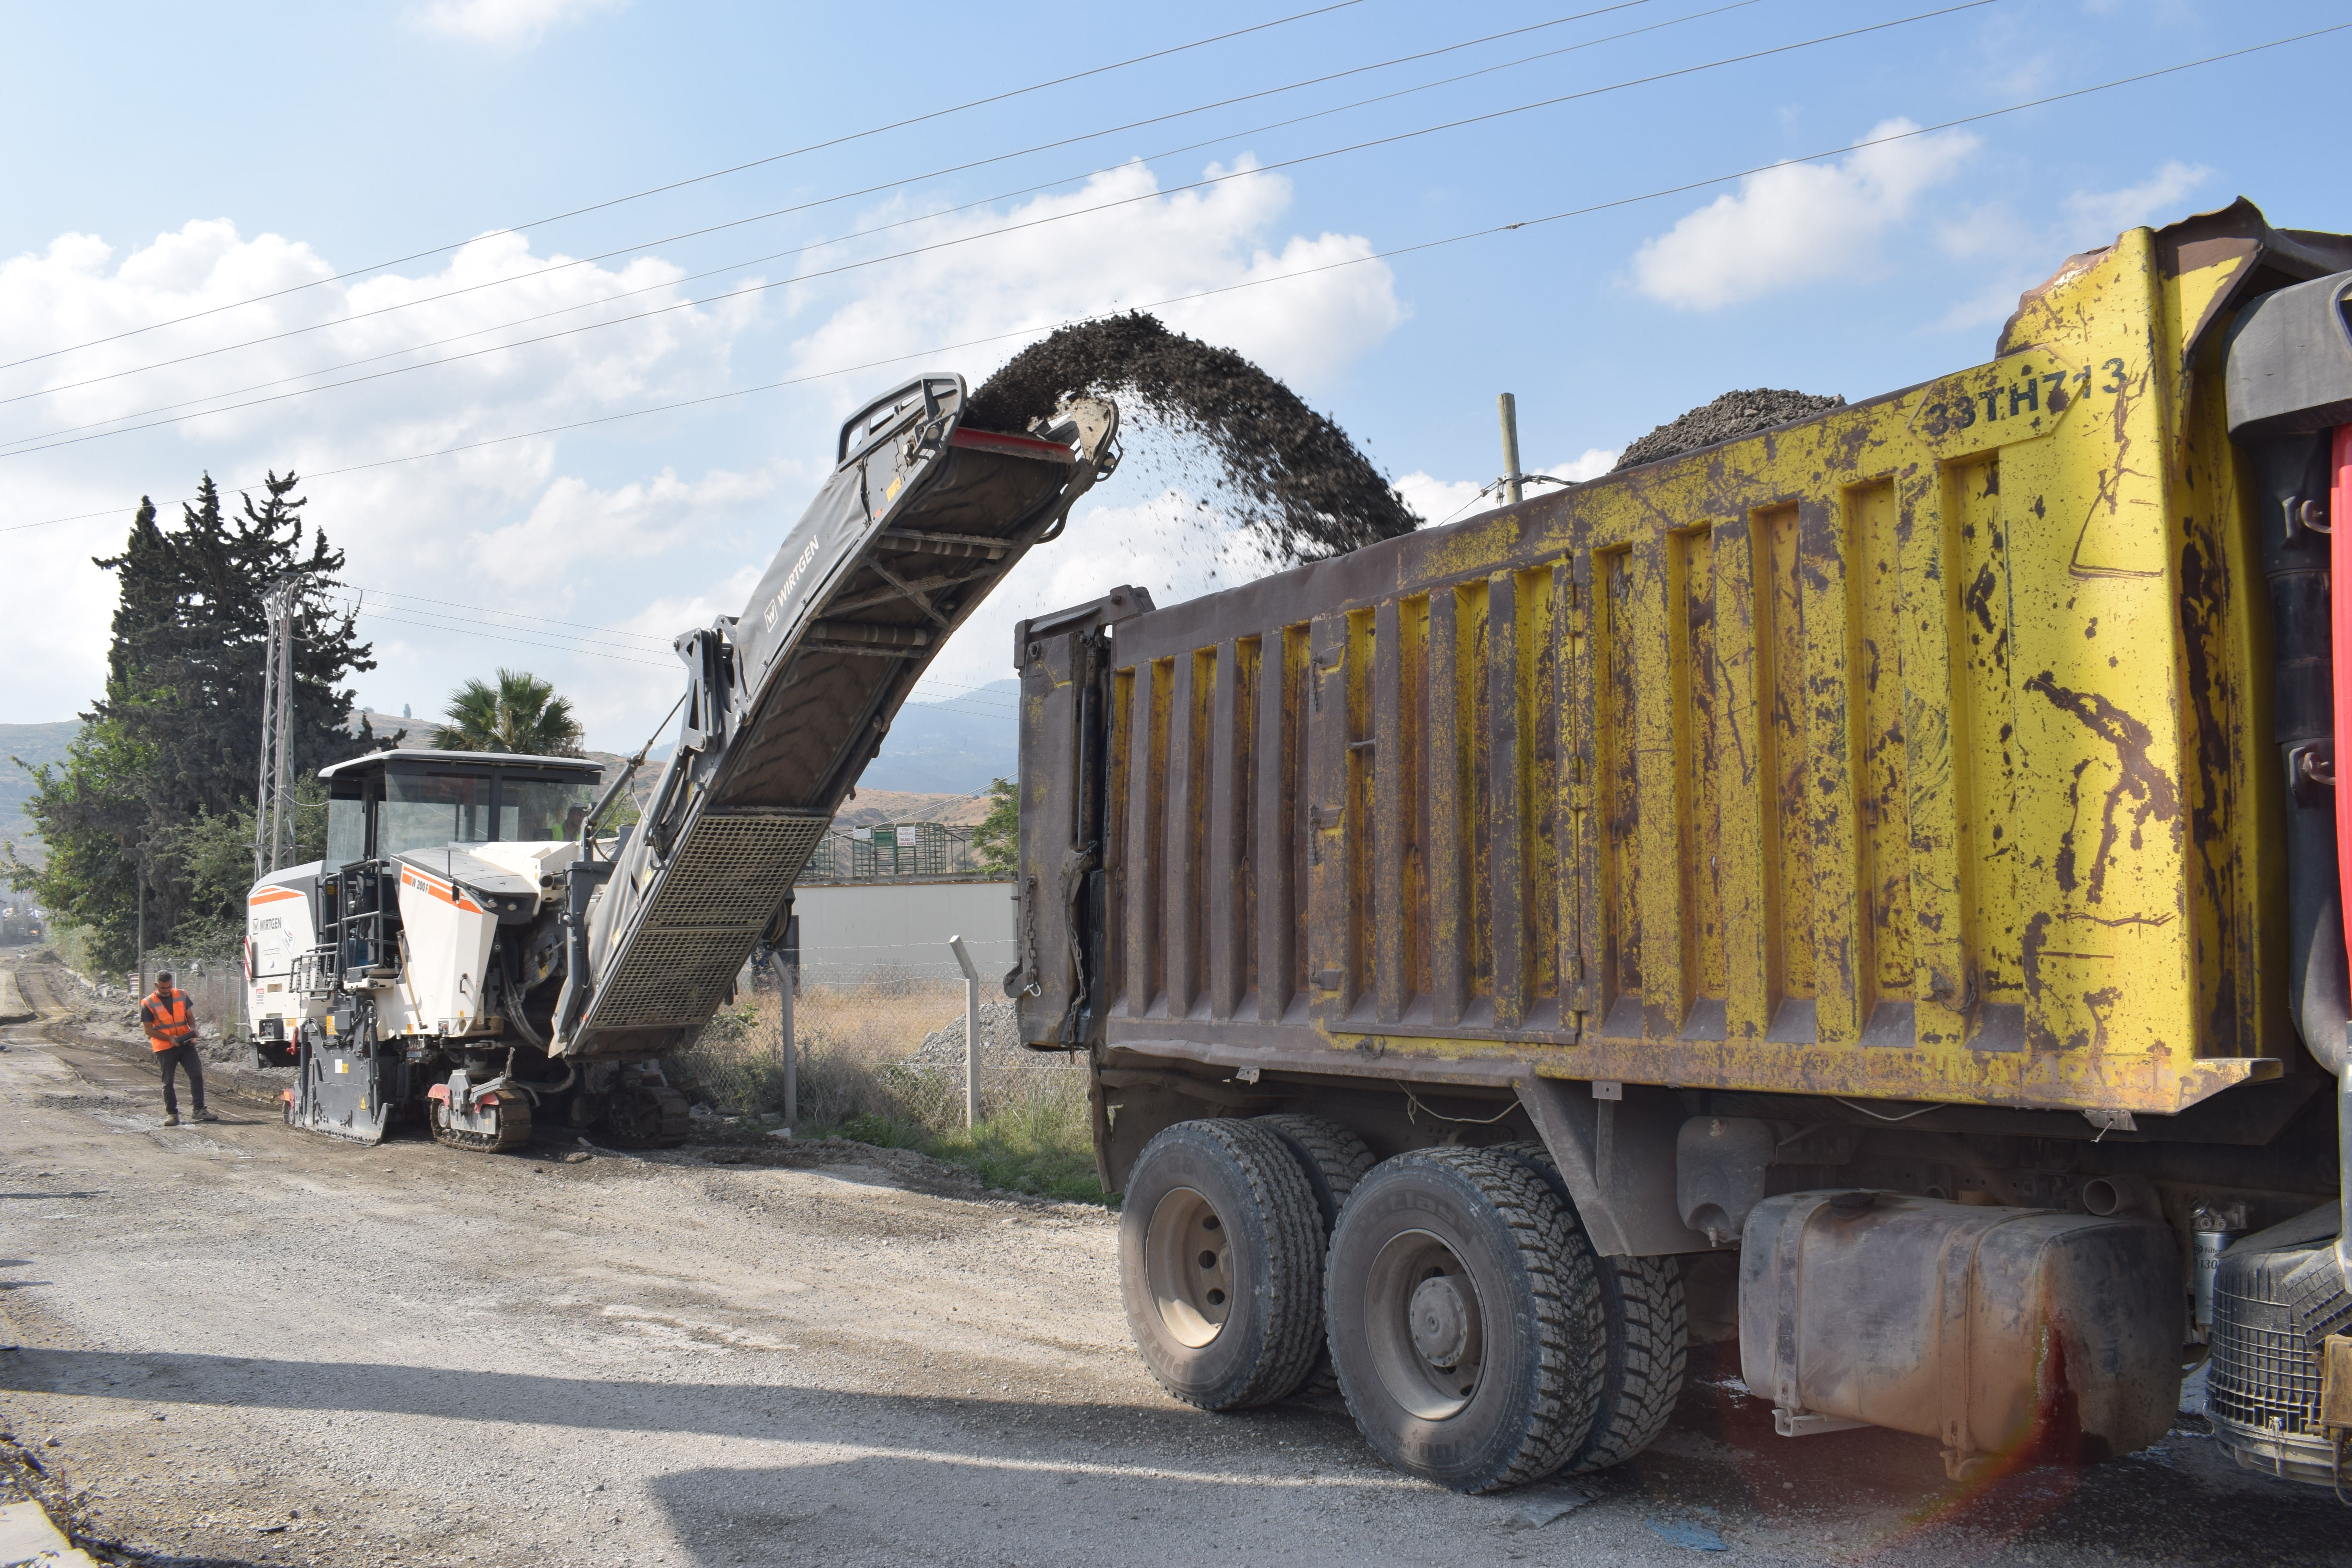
(1728, 418)
(1296, 478)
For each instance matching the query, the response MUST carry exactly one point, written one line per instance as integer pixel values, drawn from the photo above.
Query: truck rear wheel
(1333, 1160)
(1647, 1326)
(1465, 1320)
(1220, 1263)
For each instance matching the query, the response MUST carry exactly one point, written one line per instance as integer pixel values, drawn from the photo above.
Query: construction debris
(1728, 418)
(1298, 481)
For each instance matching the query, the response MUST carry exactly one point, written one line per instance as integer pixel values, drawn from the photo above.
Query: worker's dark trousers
(182, 1055)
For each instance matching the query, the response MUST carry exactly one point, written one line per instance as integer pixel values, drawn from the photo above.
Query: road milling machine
(474, 950)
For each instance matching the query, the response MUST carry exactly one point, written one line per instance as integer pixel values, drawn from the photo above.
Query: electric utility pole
(273, 800)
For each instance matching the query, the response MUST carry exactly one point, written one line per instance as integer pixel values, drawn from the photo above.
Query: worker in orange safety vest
(171, 1031)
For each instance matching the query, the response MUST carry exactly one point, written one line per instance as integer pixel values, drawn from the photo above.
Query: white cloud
(505, 24)
(1799, 224)
(569, 527)
(1016, 278)
(1593, 462)
(499, 526)
(66, 295)
(2087, 220)
(1436, 500)
(1991, 228)
(572, 520)
(2095, 217)
(1989, 307)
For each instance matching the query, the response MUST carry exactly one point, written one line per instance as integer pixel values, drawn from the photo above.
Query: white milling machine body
(472, 950)
(401, 967)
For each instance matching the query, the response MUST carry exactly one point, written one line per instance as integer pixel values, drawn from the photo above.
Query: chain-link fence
(883, 1042)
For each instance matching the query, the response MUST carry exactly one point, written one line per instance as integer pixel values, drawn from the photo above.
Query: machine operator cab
(397, 803)
(433, 860)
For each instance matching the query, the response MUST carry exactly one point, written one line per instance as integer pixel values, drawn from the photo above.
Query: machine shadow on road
(754, 1411)
(882, 1468)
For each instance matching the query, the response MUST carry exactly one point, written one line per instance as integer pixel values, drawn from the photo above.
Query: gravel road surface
(248, 1346)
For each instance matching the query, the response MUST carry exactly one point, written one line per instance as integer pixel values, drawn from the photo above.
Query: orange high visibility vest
(167, 1014)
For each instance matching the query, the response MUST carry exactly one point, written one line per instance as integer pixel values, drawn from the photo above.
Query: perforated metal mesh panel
(726, 879)
(2264, 1376)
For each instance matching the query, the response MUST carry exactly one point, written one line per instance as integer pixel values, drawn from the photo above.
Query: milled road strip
(274, 1349)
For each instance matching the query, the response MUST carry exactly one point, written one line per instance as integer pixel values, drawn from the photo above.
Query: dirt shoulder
(254, 1346)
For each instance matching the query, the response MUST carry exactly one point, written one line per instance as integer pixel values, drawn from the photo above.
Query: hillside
(949, 748)
(29, 743)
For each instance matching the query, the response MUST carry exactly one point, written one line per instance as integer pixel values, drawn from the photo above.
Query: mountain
(30, 743)
(952, 748)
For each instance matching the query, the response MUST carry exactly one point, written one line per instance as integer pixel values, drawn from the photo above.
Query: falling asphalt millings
(1298, 481)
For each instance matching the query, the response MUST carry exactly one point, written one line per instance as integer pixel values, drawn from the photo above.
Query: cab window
(347, 823)
(432, 811)
(543, 809)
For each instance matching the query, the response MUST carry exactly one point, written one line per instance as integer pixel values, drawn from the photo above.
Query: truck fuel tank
(2006, 1333)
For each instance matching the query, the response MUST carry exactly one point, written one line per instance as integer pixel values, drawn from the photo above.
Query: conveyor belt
(791, 699)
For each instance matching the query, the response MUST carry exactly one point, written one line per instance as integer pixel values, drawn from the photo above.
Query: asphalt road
(251, 1346)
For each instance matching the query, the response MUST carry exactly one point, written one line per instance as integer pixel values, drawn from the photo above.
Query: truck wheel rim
(1188, 1256)
(1425, 1325)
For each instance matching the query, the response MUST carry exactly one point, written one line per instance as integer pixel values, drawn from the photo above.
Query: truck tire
(1219, 1259)
(1465, 1320)
(1647, 1328)
(1333, 1160)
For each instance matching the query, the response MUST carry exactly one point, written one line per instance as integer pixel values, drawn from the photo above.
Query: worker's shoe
(202, 1115)
(172, 1120)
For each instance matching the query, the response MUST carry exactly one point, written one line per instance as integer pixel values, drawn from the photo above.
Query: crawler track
(514, 1128)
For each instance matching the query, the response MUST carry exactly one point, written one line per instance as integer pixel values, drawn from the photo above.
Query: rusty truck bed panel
(1911, 751)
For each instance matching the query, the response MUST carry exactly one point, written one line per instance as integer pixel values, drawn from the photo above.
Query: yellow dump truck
(1869, 889)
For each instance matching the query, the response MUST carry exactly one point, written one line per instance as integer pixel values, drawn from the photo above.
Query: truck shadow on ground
(1012, 1470)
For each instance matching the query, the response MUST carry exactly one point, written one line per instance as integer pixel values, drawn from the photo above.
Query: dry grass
(858, 1080)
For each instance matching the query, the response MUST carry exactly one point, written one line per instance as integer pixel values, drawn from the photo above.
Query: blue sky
(165, 159)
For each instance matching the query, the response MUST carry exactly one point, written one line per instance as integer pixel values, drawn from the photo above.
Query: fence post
(792, 1055)
(970, 1033)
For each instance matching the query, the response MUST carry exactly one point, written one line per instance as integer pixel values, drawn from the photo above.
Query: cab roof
(468, 759)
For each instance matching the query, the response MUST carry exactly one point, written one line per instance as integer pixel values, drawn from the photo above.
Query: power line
(979, 705)
(495, 637)
(869, 189)
(663, 643)
(1203, 184)
(963, 706)
(715, 174)
(805, 245)
(1657, 194)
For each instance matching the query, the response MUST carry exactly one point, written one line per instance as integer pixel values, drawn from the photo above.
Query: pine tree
(175, 742)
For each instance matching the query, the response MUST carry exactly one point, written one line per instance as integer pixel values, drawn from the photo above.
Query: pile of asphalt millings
(1294, 477)
(1728, 418)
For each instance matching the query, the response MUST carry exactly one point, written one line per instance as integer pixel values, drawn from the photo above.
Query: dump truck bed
(1918, 750)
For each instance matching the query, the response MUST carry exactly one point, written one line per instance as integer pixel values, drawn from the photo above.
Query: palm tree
(521, 713)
